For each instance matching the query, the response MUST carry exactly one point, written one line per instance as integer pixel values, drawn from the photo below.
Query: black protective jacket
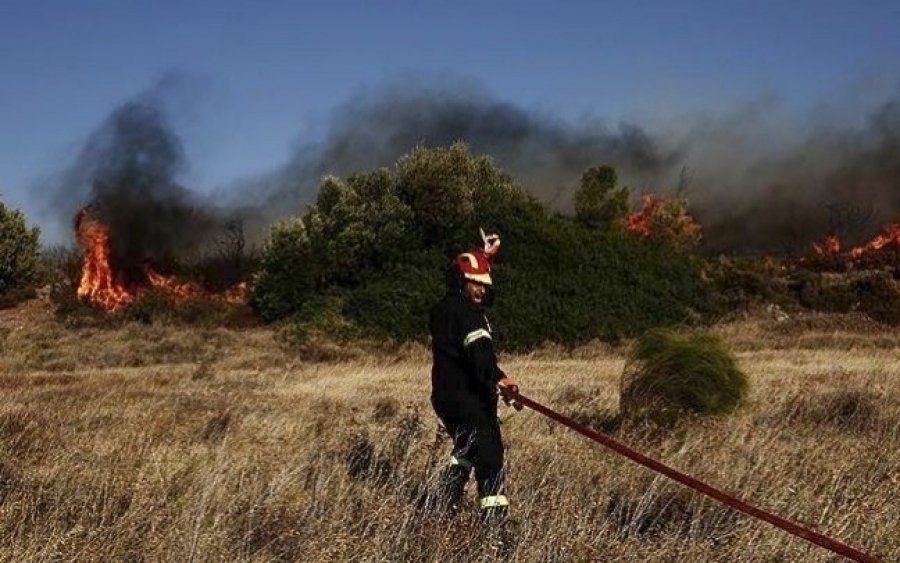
(464, 375)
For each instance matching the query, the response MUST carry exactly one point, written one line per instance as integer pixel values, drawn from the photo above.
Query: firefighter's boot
(494, 510)
(455, 477)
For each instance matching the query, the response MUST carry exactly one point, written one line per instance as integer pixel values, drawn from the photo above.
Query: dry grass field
(175, 444)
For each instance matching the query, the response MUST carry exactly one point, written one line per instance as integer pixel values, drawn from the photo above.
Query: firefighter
(466, 382)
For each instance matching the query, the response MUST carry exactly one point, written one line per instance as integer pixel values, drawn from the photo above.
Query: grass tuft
(851, 410)
(673, 372)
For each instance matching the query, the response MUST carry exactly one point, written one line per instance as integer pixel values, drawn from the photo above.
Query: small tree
(287, 275)
(599, 202)
(19, 250)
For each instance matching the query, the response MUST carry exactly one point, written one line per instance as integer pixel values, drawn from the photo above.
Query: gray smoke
(545, 154)
(757, 181)
(757, 185)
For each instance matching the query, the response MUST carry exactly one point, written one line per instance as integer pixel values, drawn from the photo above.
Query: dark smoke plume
(126, 174)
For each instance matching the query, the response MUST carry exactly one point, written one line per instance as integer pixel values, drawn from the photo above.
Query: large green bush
(19, 251)
(379, 242)
(572, 284)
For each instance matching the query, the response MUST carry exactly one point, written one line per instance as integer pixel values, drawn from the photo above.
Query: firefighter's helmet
(474, 266)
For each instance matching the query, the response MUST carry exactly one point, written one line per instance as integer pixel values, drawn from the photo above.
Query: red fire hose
(732, 501)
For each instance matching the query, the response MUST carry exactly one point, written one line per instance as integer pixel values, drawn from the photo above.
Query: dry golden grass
(170, 444)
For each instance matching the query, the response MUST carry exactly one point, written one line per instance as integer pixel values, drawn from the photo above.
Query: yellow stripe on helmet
(480, 278)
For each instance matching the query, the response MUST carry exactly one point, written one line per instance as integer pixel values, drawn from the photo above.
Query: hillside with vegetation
(271, 403)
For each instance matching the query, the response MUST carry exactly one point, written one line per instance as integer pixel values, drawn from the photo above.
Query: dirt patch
(38, 310)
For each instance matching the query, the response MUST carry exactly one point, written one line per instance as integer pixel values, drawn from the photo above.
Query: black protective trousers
(480, 445)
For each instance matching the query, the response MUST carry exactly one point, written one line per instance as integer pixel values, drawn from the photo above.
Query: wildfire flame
(98, 282)
(639, 222)
(890, 236)
(831, 246)
(101, 285)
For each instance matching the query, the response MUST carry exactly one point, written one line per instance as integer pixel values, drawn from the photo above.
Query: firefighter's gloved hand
(508, 391)
(491, 243)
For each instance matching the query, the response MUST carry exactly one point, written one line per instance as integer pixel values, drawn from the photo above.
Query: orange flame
(237, 293)
(640, 222)
(173, 286)
(831, 246)
(100, 285)
(98, 282)
(889, 235)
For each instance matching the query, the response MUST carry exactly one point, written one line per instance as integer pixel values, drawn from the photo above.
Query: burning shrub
(19, 254)
(225, 267)
(665, 220)
(671, 372)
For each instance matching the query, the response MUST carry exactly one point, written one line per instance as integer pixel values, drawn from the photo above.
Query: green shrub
(673, 372)
(737, 283)
(19, 251)
(439, 185)
(879, 298)
(286, 278)
(320, 318)
(396, 303)
(570, 285)
(815, 292)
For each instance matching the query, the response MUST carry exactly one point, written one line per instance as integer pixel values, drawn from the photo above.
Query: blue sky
(267, 74)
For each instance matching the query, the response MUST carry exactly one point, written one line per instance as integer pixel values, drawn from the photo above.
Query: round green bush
(673, 372)
(19, 251)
